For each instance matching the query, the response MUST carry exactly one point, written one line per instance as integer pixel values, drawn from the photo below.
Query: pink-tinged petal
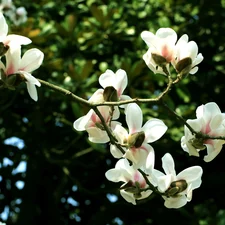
(134, 118)
(3, 28)
(13, 60)
(129, 197)
(164, 182)
(32, 91)
(168, 164)
(16, 40)
(31, 60)
(190, 174)
(97, 135)
(154, 129)
(175, 203)
(207, 111)
(80, 123)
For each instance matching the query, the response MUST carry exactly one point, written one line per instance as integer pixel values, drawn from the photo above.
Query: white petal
(31, 60)
(175, 203)
(97, 135)
(32, 91)
(81, 122)
(129, 197)
(150, 162)
(168, 164)
(154, 129)
(30, 78)
(3, 27)
(14, 39)
(190, 174)
(134, 118)
(164, 182)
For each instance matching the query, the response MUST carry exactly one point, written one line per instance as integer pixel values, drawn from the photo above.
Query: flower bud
(3, 49)
(110, 94)
(136, 139)
(159, 60)
(197, 143)
(133, 188)
(184, 66)
(176, 187)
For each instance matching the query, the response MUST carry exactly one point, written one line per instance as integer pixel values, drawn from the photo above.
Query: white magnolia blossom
(185, 49)
(93, 125)
(138, 137)
(117, 80)
(132, 179)
(210, 121)
(177, 188)
(11, 40)
(30, 61)
(165, 49)
(161, 49)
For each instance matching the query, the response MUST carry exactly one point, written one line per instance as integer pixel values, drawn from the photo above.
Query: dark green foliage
(65, 180)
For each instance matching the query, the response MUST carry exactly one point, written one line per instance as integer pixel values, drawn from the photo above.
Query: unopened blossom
(118, 82)
(187, 57)
(11, 40)
(132, 179)
(136, 141)
(176, 189)
(210, 121)
(21, 68)
(161, 50)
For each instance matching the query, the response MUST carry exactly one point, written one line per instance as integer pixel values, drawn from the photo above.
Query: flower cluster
(210, 122)
(16, 15)
(17, 69)
(165, 49)
(135, 167)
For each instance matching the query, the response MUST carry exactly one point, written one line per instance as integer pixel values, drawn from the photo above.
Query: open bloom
(178, 188)
(161, 49)
(210, 121)
(138, 137)
(116, 80)
(30, 61)
(12, 39)
(93, 125)
(133, 181)
(187, 56)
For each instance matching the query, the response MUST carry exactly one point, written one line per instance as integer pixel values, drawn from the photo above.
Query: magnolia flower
(22, 67)
(177, 189)
(93, 125)
(116, 80)
(133, 181)
(12, 40)
(138, 137)
(187, 56)
(210, 121)
(161, 49)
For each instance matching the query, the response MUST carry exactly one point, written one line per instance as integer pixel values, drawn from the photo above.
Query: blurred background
(52, 174)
